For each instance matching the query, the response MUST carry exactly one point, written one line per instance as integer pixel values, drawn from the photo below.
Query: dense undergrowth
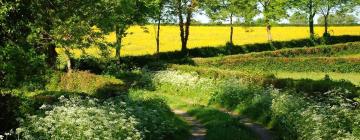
(85, 107)
(287, 112)
(131, 101)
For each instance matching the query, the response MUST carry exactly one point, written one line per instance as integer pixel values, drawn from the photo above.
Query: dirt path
(198, 131)
(262, 132)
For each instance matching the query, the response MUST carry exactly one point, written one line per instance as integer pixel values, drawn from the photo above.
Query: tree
(183, 8)
(337, 12)
(298, 18)
(14, 18)
(339, 18)
(119, 15)
(272, 10)
(63, 24)
(328, 6)
(219, 10)
(20, 62)
(160, 10)
(308, 7)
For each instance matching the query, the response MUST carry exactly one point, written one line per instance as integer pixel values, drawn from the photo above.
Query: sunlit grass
(140, 41)
(352, 77)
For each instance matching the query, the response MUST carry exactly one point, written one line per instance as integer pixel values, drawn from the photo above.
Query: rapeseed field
(141, 42)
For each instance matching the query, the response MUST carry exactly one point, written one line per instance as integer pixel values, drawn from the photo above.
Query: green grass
(339, 58)
(352, 77)
(219, 125)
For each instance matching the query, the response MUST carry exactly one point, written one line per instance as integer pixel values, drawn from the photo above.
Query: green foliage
(85, 82)
(119, 15)
(42, 115)
(10, 105)
(219, 10)
(315, 64)
(339, 19)
(273, 10)
(319, 51)
(77, 118)
(332, 120)
(298, 19)
(285, 111)
(21, 67)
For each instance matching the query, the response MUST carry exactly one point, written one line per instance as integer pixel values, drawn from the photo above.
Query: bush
(81, 117)
(10, 111)
(331, 119)
(348, 48)
(86, 82)
(21, 67)
(321, 64)
(313, 88)
(77, 118)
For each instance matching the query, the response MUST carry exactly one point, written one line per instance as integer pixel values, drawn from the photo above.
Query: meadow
(141, 40)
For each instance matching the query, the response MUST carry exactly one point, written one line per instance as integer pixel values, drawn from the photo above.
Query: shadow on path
(262, 132)
(198, 131)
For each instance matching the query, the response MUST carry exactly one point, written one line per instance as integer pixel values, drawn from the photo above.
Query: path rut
(198, 131)
(262, 132)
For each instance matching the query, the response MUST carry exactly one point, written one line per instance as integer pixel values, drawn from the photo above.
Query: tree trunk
(268, 29)
(311, 18)
(118, 46)
(187, 30)
(158, 36)
(231, 29)
(184, 31)
(311, 26)
(68, 61)
(326, 25)
(181, 25)
(51, 56)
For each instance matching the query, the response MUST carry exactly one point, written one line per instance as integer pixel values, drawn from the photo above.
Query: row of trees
(69, 24)
(334, 19)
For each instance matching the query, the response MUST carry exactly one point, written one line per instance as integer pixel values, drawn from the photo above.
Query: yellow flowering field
(140, 42)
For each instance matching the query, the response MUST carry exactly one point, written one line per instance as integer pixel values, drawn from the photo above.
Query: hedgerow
(324, 50)
(314, 64)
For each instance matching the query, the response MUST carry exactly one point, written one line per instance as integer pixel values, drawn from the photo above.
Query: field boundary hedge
(322, 50)
(313, 64)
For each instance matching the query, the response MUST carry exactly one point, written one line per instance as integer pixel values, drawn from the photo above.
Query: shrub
(331, 50)
(86, 82)
(10, 111)
(331, 119)
(21, 67)
(343, 65)
(81, 117)
(77, 118)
